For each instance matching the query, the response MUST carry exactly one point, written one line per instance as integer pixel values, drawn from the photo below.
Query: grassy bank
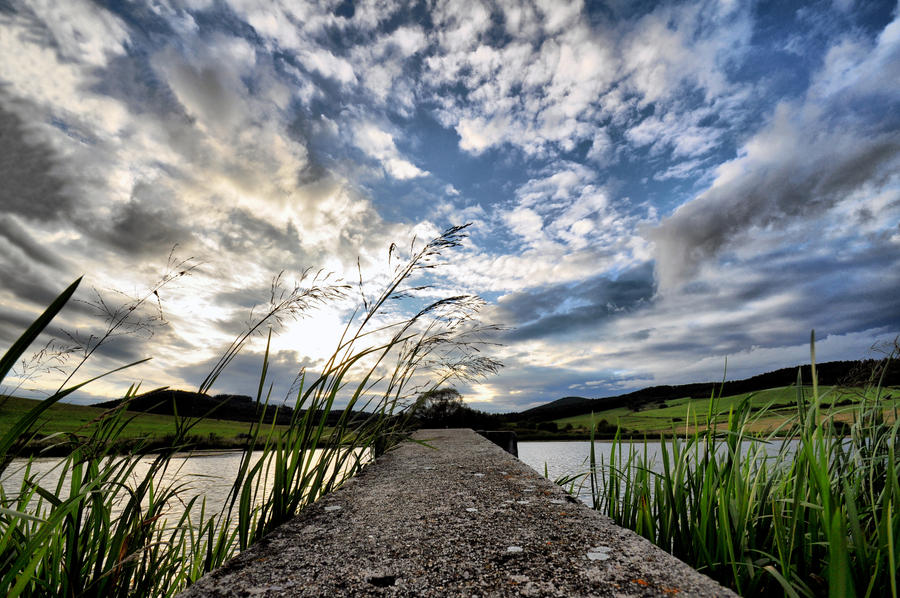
(776, 409)
(102, 531)
(817, 517)
(77, 422)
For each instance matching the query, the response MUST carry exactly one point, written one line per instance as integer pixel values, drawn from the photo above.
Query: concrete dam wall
(459, 517)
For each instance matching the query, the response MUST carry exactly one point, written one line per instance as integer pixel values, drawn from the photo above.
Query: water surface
(571, 457)
(208, 474)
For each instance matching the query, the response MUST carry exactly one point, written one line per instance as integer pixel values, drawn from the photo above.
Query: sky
(653, 188)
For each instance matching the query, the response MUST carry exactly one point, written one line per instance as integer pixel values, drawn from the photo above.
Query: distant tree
(444, 408)
(604, 428)
(439, 404)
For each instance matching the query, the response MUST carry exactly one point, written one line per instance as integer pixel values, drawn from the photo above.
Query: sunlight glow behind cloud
(652, 188)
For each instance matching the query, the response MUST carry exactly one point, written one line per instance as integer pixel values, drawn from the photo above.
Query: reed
(805, 511)
(105, 528)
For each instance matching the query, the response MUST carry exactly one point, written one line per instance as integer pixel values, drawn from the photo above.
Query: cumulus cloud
(563, 74)
(674, 46)
(380, 145)
(563, 228)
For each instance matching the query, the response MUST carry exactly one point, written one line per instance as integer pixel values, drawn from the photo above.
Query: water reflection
(209, 475)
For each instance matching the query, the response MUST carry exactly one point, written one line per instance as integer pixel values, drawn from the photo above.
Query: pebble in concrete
(404, 532)
(598, 553)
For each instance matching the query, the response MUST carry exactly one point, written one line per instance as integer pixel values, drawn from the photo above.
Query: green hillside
(676, 414)
(78, 419)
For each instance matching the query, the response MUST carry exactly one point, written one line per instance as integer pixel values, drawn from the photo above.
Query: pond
(209, 474)
(571, 457)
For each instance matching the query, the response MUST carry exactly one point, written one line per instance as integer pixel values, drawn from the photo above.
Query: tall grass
(812, 513)
(105, 528)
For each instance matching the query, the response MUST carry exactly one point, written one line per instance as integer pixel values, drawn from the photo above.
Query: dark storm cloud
(844, 137)
(16, 234)
(542, 313)
(835, 294)
(27, 281)
(771, 196)
(246, 231)
(32, 185)
(12, 325)
(148, 223)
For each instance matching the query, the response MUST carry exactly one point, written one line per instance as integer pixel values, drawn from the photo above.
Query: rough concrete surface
(461, 519)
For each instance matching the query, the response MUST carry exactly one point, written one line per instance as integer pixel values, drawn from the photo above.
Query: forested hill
(851, 373)
(193, 404)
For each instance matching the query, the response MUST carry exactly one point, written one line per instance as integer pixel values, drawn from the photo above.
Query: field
(682, 414)
(79, 419)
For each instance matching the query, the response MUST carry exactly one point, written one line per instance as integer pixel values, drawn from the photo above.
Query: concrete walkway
(462, 519)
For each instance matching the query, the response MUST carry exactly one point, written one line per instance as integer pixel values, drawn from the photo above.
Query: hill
(846, 373)
(80, 420)
(192, 404)
(237, 408)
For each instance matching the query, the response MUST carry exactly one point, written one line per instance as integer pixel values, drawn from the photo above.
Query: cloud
(562, 74)
(279, 135)
(772, 293)
(684, 46)
(34, 184)
(147, 224)
(810, 156)
(208, 81)
(784, 174)
(15, 233)
(679, 132)
(384, 66)
(537, 91)
(380, 145)
(562, 227)
(572, 310)
(26, 281)
(79, 30)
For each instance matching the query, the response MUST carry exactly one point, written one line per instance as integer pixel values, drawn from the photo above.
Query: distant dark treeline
(224, 406)
(463, 417)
